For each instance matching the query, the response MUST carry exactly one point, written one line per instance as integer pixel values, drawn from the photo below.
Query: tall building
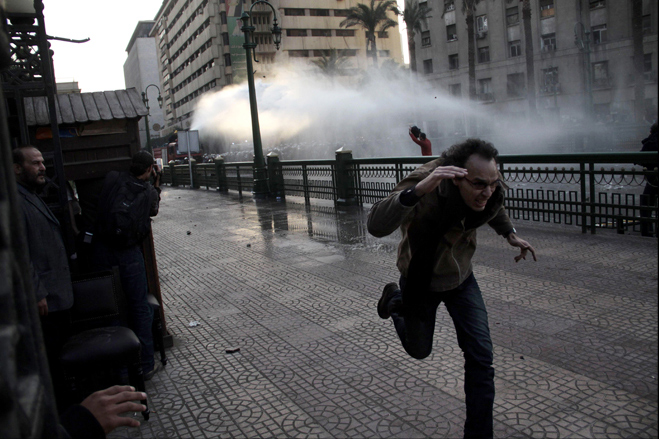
(199, 45)
(575, 43)
(140, 71)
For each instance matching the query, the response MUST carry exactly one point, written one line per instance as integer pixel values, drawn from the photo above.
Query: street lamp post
(145, 99)
(260, 175)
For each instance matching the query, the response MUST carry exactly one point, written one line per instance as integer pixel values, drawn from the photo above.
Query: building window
(345, 32)
(516, 85)
(227, 59)
(296, 32)
(647, 24)
(485, 89)
(601, 73)
(449, 5)
(546, 8)
(427, 66)
(597, 4)
(319, 12)
(383, 34)
(383, 53)
(223, 17)
(647, 67)
(348, 52)
(599, 34)
(321, 32)
(514, 49)
(481, 23)
(484, 54)
(341, 12)
(225, 38)
(451, 32)
(549, 80)
(455, 90)
(425, 38)
(453, 62)
(298, 54)
(549, 42)
(602, 111)
(294, 12)
(512, 15)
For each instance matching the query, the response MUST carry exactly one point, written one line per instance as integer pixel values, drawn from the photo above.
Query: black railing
(588, 190)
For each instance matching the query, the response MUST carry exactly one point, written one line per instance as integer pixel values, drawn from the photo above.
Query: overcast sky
(97, 65)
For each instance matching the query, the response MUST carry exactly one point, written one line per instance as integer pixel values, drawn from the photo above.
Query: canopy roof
(86, 107)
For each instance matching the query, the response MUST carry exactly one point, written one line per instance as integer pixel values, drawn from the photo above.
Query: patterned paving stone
(295, 288)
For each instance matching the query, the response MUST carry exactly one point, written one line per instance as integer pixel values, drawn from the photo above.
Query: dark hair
(654, 128)
(422, 136)
(18, 155)
(458, 154)
(141, 162)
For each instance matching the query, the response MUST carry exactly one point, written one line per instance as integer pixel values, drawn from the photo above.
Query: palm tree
(637, 43)
(371, 18)
(414, 16)
(468, 8)
(332, 62)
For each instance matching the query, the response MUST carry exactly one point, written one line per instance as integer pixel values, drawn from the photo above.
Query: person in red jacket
(422, 140)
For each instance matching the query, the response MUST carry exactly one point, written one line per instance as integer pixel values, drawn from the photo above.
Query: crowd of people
(123, 212)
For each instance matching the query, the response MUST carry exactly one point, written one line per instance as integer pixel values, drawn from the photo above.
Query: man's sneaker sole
(387, 293)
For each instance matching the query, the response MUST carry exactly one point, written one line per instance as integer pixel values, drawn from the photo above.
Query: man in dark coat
(49, 267)
(111, 250)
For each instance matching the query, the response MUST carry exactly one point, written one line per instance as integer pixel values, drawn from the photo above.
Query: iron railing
(588, 190)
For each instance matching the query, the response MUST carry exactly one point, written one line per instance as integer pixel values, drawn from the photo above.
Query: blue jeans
(465, 305)
(133, 281)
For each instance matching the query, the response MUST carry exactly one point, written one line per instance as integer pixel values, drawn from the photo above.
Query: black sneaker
(152, 372)
(389, 291)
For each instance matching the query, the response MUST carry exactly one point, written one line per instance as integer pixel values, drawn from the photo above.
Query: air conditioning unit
(481, 34)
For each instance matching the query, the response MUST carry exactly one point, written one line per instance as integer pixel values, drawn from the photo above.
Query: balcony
(603, 82)
(485, 97)
(550, 89)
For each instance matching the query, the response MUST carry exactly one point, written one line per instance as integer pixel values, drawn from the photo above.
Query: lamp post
(260, 176)
(145, 99)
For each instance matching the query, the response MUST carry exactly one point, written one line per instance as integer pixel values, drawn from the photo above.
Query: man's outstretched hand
(108, 405)
(516, 241)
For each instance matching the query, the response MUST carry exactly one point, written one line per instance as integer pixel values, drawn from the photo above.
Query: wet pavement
(295, 289)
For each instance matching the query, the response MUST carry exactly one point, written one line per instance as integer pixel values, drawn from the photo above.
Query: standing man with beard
(438, 208)
(51, 277)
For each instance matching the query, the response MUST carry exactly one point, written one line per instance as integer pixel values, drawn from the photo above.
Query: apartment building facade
(140, 71)
(199, 45)
(562, 53)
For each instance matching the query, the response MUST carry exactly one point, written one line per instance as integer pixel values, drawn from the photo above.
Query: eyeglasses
(481, 185)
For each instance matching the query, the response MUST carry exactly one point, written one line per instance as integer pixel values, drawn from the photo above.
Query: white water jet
(314, 115)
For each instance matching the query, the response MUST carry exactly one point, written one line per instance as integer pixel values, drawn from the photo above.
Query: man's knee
(418, 351)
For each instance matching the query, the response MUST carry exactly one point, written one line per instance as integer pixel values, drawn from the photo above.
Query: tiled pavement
(295, 289)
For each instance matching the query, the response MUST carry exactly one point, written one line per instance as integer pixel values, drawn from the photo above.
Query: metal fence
(588, 190)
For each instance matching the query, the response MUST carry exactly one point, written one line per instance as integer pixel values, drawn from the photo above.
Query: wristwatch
(509, 232)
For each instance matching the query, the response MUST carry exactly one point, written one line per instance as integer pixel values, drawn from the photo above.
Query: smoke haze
(307, 110)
